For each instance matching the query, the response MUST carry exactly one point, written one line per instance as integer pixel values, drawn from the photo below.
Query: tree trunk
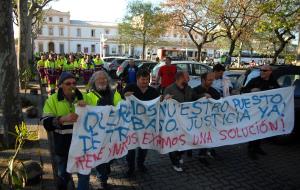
(278, 51)
(199, 56)
(23, 35)
(298, 49)
(29, 41)
(10, 107)
(143, 51)
(232, 47)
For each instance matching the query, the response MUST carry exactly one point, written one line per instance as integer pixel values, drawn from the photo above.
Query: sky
(95, 10)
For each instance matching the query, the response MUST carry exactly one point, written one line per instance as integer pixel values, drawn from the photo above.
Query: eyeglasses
(264, 70)
(69, 83)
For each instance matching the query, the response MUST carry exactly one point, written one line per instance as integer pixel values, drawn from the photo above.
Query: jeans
(103, 170)
(130, 157)
(83, 182)
(175, 157)
(63, 177)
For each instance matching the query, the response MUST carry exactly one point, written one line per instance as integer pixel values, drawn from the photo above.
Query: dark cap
(64, 76)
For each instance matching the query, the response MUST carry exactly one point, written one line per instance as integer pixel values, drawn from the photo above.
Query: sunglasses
(69, 83)
(263, 70)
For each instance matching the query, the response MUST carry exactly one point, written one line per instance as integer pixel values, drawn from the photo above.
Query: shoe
(142, 168)
(181, 161)
(177, 168)
(204, 161)
(260, 151)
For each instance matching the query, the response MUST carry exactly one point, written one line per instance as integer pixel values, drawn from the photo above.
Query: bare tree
(10, 107)
(237, 18)
(194, 17)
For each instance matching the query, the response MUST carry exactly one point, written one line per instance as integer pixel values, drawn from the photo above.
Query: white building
(59, 34)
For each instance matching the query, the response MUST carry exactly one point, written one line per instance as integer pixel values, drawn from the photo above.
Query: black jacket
(261, 84)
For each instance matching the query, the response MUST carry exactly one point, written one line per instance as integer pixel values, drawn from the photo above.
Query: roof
(93, 23)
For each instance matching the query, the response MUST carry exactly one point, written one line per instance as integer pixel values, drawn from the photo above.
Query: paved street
(280, 169)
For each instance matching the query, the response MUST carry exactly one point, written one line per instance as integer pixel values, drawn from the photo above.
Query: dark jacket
(260, 83)
(181, 95)
(200, 91)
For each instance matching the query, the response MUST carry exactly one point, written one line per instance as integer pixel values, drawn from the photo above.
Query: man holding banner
(181, 92)
(263, 82)
(59, 116)
(101, 94)
(205, 90)
(142, 91)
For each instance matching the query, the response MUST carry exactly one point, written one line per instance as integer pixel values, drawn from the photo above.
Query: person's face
(68, 86)
(101, 82)
(218, 74)
(131, 63)
(209, 80)
(43, 57)
(186, 77)
(168, 61)
(265, 72)
(71, 58)
(143, 82)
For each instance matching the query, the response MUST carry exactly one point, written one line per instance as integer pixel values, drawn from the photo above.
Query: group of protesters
(59, 111)
(50, 66)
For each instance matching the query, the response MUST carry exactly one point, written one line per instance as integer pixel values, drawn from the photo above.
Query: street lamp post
(102, 45)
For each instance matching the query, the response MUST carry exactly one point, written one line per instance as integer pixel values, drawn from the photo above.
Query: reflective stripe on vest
(63, 131)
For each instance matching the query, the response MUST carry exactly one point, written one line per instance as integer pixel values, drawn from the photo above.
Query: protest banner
(103, 133)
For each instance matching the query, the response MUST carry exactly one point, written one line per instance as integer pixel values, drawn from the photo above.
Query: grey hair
(95, 76)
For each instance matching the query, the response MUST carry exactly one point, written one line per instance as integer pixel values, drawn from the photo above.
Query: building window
(41, 47)
(107, 31)
(86, 50)
(113, 50)
(61, 48)
(50, 19)
(78, 47)
(61, 19)
(78, 32)
(93, 33)
(93, 48)
(50, 31)
(61, 31)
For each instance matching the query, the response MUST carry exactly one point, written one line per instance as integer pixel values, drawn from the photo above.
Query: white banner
(103, 133)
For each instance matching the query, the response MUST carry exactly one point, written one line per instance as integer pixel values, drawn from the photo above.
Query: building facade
(59, 34)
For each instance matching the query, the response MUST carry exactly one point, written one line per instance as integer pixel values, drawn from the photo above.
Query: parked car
(234, 75)
(195, 69)
(112, 67)
(286, 75)
(149, 65)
